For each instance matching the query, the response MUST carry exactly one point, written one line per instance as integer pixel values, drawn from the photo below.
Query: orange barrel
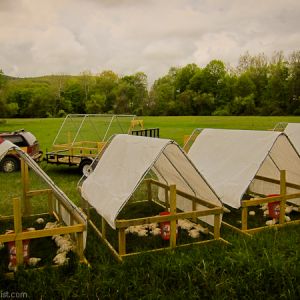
(274, 207)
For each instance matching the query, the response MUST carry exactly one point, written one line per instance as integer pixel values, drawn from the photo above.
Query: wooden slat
(37, 192)
(276, 181)
(282, 194)
(178, 246)
(235, 228)
(180, 215)
(257, 201)
(25, 187)
(173, 212)
(106, 242)
(217, 221)
(122, 241)
(18, 229)
(41, 233)
(258, 229)
(185, 195)
(244, 218)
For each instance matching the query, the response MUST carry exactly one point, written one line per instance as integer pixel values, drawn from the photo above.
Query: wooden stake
(18, 229)
(25, 187)
(79, 238)
(244, 217)
(173, 212)
(217, 223)
(167, 198)
(282, 194)
(50, 202)
(122, 241)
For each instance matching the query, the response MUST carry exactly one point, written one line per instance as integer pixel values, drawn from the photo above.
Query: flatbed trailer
(87, 134)
(80, 154)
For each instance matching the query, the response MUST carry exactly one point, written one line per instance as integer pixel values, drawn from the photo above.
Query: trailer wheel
(85, 167)
(9, 164)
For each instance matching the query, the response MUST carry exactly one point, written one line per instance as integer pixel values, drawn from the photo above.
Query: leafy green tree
(96, 104)
(74, 94)
(276, 92)
(244, 85)
(183, 77)
(293, 82)
(106, 84)
(244, 106)
(161, 94)
(131, 94)
(203, 104)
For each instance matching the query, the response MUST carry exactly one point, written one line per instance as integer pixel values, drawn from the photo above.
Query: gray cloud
(70, 36)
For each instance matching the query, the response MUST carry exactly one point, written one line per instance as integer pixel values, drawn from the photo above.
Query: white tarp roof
(124, 164)
(230, 159)
(292, 130)
(7, 145)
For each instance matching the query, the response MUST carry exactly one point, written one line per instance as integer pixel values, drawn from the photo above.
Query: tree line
(258, 85)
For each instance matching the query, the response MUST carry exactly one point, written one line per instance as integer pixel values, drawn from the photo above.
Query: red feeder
(274, 207)
(165, 227)
(13, 255)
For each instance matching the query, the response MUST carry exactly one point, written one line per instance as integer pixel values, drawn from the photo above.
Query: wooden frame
(55, 206)
(282, 198)
(170, 201)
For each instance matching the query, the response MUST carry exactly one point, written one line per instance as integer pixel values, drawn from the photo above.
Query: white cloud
(69, 36)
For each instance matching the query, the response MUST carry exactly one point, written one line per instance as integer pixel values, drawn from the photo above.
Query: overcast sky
(41, 37)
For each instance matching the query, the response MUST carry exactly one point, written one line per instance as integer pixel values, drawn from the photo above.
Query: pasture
(266, 266)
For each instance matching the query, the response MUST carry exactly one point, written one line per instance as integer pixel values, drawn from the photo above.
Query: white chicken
(185, 224)
(201, 228)
(194, 233)
(33, 261)
(226, 210)
(288, 209)
(155, 231)
(264, 206)
(64, 243)
(40, 221)
(50, 225)
(61, 259)
(271, 222)
(266, 213)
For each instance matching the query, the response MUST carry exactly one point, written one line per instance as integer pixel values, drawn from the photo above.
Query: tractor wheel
(9, 164)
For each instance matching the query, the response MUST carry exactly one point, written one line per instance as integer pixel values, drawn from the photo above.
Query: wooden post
(103, 228)
(122, 241)
(194, 206)
(173, 211)
(217, 222)
(167, 198)
(50, 202)
(244, 217)
(18, 229)
(149, 190)
(25, 187)
(282, 194)
(79, 238)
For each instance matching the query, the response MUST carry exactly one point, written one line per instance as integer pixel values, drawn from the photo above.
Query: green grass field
(266, 266)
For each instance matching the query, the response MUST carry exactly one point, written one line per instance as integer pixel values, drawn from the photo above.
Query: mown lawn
(266, 266)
